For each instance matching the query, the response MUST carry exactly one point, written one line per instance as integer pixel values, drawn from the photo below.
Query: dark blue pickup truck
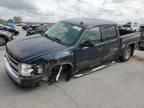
(67, 49)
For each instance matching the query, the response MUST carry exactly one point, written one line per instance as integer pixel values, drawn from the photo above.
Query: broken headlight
(39, 69)
(30, 70)
(26, 70)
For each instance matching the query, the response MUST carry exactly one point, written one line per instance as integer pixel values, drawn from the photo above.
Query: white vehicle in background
(133, 26)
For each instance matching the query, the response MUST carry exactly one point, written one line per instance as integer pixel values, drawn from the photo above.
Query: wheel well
(132, 47)
(66, 70)
(67, 66)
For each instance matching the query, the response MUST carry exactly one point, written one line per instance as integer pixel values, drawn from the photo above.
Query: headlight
(30, 70)
(26, 70)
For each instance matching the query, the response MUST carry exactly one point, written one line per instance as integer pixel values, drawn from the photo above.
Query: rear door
(92, 55)
(111, 41)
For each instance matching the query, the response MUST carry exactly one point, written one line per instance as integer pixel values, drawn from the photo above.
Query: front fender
(51, 60)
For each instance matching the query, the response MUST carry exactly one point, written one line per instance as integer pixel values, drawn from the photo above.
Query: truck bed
(129, 36)
(129, 39)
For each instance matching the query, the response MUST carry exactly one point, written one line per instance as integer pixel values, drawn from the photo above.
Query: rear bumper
(20, 79)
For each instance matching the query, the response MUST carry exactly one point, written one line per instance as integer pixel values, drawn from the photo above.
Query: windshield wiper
(56, 39)
(47, 36)
(52, 38)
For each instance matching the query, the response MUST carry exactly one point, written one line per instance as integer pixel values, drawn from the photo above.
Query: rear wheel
(3, 40)
(126, 54)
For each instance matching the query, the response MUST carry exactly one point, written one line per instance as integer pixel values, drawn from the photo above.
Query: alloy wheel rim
(127, 54)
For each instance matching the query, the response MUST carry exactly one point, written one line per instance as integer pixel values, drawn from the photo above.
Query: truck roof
(88, 22)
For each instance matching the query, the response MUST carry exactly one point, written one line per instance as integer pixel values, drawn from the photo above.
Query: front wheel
(126, 54)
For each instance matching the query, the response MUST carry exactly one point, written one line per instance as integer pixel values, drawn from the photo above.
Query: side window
(108, 32)
(93, 35)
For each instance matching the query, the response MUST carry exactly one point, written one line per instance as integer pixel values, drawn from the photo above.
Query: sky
(120, 11)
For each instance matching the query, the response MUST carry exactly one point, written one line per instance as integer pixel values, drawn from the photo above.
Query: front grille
(13, 63)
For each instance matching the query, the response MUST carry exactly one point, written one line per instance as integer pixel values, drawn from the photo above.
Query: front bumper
(21, 80)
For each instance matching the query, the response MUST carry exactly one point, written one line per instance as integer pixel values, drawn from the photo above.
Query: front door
(90, 50)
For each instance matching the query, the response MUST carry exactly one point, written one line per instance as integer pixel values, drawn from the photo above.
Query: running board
(80, 74)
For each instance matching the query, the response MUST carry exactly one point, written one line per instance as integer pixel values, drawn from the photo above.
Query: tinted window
(108, 32)
(93, 35)
(141, 26)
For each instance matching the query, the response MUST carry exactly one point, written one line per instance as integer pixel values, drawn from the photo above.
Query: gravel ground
(120, 85)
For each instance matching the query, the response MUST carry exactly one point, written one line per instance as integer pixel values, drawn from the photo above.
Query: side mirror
(86, 44)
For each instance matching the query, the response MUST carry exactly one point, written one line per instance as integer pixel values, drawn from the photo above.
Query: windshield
(64, 33)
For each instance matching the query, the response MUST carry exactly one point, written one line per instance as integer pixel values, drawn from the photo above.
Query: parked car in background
(11, 25)
(9, 29)
(141, 41)
(26, 26)
(71, 47)
(131, 26)
(36, 30)
(5, 36)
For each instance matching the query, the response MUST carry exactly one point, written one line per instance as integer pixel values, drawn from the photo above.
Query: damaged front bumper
(21, 80)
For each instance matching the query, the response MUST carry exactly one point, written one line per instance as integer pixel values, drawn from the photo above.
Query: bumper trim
(11, 72)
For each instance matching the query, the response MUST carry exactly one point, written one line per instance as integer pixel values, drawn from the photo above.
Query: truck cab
(69, 47)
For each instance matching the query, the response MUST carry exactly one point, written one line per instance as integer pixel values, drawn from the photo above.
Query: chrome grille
(13, 63)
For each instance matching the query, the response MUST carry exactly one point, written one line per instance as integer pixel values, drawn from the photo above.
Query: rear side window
(108, 32)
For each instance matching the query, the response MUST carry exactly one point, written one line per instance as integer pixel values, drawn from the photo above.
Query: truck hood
(32, 46)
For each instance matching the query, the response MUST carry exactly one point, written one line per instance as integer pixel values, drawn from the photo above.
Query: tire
(3, 40)
(126, 54)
